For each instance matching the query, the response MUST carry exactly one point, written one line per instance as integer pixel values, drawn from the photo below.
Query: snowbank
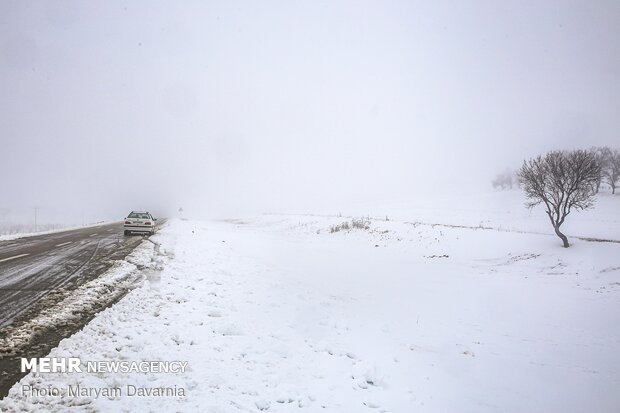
(11, 237)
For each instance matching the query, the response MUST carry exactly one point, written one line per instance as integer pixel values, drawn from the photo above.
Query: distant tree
(601, 154)
(503, 180)
(561, 181)
(611, 173)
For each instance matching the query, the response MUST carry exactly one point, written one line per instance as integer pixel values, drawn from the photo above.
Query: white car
(139, 221)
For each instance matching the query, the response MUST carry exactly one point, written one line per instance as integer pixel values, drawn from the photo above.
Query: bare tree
(503, 180)
(611, 174)
(561, 181)
(601, 154)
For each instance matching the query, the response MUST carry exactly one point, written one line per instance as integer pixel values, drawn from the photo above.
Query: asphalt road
(37, 272)
(31, 267)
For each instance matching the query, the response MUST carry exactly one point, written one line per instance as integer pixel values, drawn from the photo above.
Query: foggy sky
(231, 107)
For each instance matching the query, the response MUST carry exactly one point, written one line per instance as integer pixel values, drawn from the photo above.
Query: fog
(228, 108)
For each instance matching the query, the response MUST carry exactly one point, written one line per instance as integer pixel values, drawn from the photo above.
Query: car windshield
(139, 215)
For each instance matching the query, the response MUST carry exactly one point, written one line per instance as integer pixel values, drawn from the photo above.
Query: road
(31, 267)
(38, 272)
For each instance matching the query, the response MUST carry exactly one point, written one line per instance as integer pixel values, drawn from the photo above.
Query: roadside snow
(14, 236)
(279, 314)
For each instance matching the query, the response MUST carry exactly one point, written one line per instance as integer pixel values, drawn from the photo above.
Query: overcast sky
(233, 106)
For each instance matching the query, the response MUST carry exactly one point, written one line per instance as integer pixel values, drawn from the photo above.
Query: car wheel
(127, 233)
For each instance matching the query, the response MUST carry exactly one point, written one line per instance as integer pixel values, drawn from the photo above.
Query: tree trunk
(562, 236)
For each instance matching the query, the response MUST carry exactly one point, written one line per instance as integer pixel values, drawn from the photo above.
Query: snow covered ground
(23, 234)
(279, 314)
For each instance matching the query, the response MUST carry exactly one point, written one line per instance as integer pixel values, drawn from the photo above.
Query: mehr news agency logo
(75, 365)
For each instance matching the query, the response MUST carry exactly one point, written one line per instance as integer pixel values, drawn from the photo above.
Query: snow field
(278, 314)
